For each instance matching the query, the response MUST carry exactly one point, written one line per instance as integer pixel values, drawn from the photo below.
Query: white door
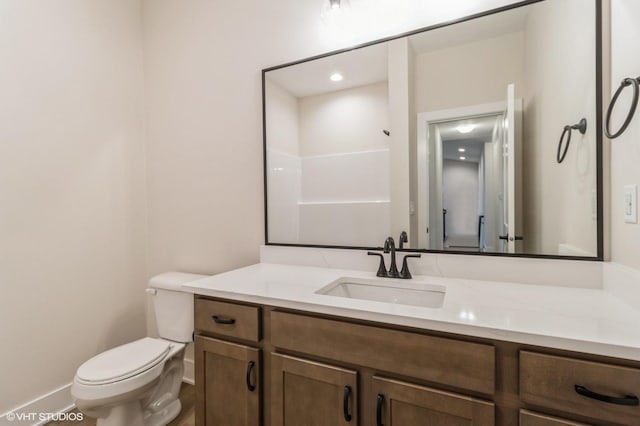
(511, 233)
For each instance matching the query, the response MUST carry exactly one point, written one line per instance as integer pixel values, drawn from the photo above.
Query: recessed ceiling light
(463, 158)
(334, 4)
(336, 76)
(461, 150)
(465, 128)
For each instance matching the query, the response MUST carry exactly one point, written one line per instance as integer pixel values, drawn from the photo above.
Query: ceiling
(359, 67)
(472, 142)
(368, 65)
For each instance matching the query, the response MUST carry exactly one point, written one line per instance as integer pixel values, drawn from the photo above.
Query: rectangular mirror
(478, 136)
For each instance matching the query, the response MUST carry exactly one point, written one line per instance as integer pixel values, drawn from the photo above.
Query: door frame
(424, 120)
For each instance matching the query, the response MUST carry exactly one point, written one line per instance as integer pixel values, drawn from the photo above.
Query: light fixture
(463, 158)
(335, 12)
(461, 150)
(466, 128)
(336, 76)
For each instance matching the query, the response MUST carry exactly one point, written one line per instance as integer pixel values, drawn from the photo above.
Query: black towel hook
(581, 127)
(635, 84)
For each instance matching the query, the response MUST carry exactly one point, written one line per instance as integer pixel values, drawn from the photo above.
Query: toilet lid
(123, 361)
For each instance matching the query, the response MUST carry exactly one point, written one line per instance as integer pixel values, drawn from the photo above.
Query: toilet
(138, 383)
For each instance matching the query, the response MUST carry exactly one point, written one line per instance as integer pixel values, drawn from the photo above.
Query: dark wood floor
(185, 418)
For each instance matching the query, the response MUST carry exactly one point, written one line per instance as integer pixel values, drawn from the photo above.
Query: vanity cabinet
(310, 393)
(228, 374)
(261, 365)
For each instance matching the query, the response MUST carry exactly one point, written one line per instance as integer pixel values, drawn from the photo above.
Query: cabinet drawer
(228, 319)
(451, 362)
(551, 381)
(529, 418)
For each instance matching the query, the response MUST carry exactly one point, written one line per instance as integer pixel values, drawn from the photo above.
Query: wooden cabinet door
(312, 394)
(227, 383)
(399, 404)
(529, 418)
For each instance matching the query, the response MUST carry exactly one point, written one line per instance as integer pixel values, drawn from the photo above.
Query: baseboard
(189, 375)
(39, 411)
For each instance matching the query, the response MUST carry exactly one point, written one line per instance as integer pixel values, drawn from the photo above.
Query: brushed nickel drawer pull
(223, 321)
(630, 400)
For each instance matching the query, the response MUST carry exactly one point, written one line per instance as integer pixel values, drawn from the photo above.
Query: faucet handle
(404, 238)
(382, 269)
(404, 273)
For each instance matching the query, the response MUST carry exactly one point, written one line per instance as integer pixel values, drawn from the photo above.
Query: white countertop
(584, 320)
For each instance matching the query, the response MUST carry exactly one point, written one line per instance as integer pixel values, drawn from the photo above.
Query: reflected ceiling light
(336, 76)
(463, 158)
(461, 149)
(466, 128)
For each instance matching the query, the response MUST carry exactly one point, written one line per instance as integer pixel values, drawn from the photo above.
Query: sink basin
(402, 292)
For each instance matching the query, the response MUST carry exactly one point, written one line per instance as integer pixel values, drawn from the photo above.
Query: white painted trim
(60, 401)
(342, 154)
(57, 401)
(189, 371)
(316, 203)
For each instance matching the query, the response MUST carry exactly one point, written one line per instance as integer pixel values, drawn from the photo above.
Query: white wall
(203, 132)
(558, 198)
(72, 215)
(282, 119)
(482, 71)
(399, 73)
(460, 187)
(349, 120)
(284, 166)
(344, 191)
(625, 150)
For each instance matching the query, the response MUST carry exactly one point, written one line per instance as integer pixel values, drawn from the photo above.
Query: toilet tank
(173, 307)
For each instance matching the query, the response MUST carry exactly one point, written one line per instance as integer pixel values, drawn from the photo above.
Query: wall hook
(581, 127)
(386, 132)
(635, 84)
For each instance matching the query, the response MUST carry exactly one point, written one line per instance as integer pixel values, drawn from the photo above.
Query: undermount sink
(403, 292)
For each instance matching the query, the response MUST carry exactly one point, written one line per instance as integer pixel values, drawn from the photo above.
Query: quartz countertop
(577, 319)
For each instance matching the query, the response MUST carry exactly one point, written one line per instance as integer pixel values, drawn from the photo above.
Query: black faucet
(382, 269)
(404, 238)
(390, 247)
(404, 273)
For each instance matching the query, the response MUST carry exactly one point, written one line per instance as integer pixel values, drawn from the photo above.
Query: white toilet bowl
(138, 384)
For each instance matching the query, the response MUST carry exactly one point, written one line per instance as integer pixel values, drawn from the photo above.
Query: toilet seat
(136, 375)
(123, 362)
